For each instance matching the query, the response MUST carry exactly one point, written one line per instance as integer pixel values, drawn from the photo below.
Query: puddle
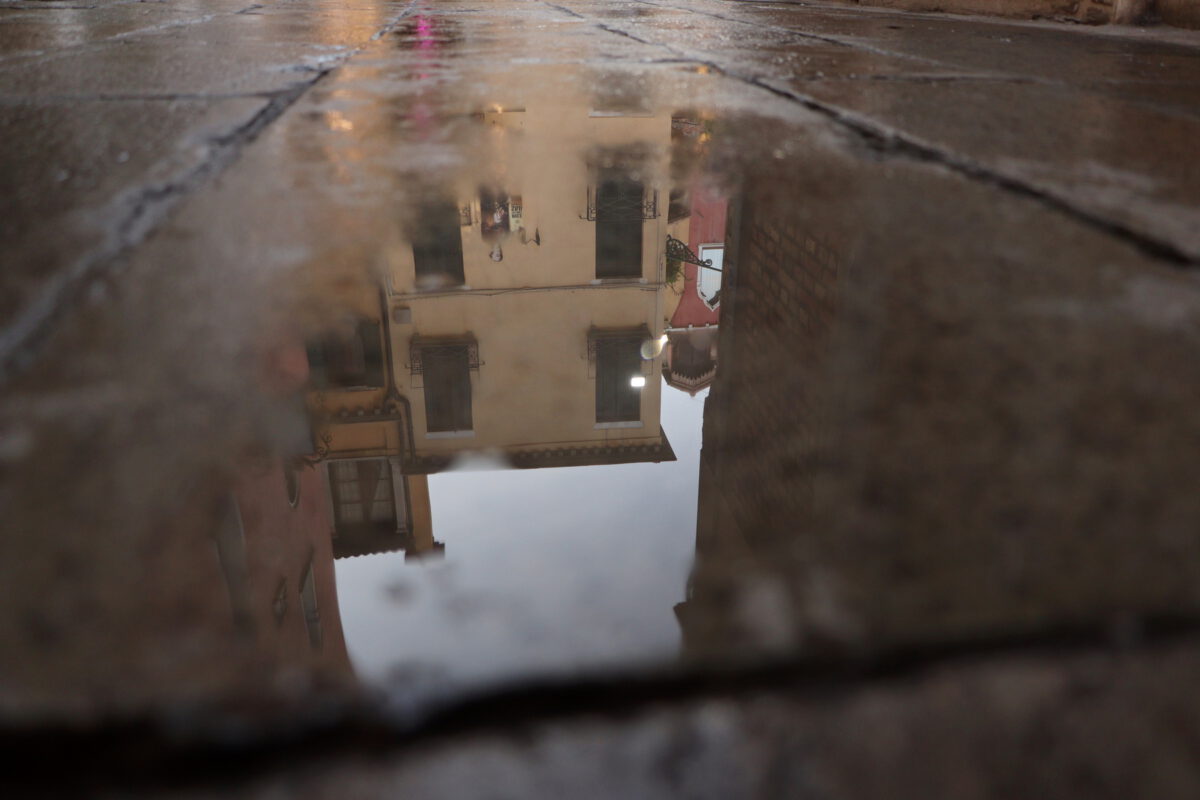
(473, 372)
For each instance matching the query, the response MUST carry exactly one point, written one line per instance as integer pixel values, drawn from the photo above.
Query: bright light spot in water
(652, 348)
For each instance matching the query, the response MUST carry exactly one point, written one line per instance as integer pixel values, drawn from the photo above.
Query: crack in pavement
(567, 11)
(151, 751)
(796, 34)
(892, 142)
(899, 55)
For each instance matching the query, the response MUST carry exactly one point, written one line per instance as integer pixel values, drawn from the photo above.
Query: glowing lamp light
(637, 381)
(652, 348)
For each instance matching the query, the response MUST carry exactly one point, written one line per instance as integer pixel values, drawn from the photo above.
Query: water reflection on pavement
(477, 370)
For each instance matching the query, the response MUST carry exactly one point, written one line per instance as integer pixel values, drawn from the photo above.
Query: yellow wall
(531, 312)
(363, 439)
(533, 387)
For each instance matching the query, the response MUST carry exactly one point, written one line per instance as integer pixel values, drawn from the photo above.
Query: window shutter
(617, 361)
(619, 217)
(447, 388)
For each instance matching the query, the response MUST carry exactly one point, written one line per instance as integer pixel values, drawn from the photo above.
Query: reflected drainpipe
(404, 424)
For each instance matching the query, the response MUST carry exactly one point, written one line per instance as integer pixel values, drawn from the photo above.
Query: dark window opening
(447, 371)
(339, 361)
(680, 206)
(618, 362)
(437, 246)
(620, 212)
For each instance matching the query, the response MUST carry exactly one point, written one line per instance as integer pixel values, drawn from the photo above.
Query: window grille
(445, 366)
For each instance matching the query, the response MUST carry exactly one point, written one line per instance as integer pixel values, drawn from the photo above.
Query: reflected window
(679, 206)
(447, 370)
(620, 211)
(362, 491)
(619, 378)
(308, 601)
(348, 362)
(437, 245)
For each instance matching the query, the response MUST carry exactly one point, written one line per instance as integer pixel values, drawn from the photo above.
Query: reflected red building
(690, 355)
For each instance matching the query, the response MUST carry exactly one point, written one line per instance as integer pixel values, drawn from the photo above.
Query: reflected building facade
(522, 314)
(276, 557)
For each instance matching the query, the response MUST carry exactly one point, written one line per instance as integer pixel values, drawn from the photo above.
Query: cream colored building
(536, 354)
(521, 315)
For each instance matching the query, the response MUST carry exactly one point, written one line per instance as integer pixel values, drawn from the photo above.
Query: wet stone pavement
(597, 399)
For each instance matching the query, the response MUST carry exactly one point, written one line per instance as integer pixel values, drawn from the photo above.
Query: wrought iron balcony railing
(422, 349)
(622, 207)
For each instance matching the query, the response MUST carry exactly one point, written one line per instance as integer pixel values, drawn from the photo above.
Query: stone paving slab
(1036, 140)
(111, 112)
(1014, 727)
(80, 168)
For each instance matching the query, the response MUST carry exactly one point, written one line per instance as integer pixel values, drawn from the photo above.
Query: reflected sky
(545, 570)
